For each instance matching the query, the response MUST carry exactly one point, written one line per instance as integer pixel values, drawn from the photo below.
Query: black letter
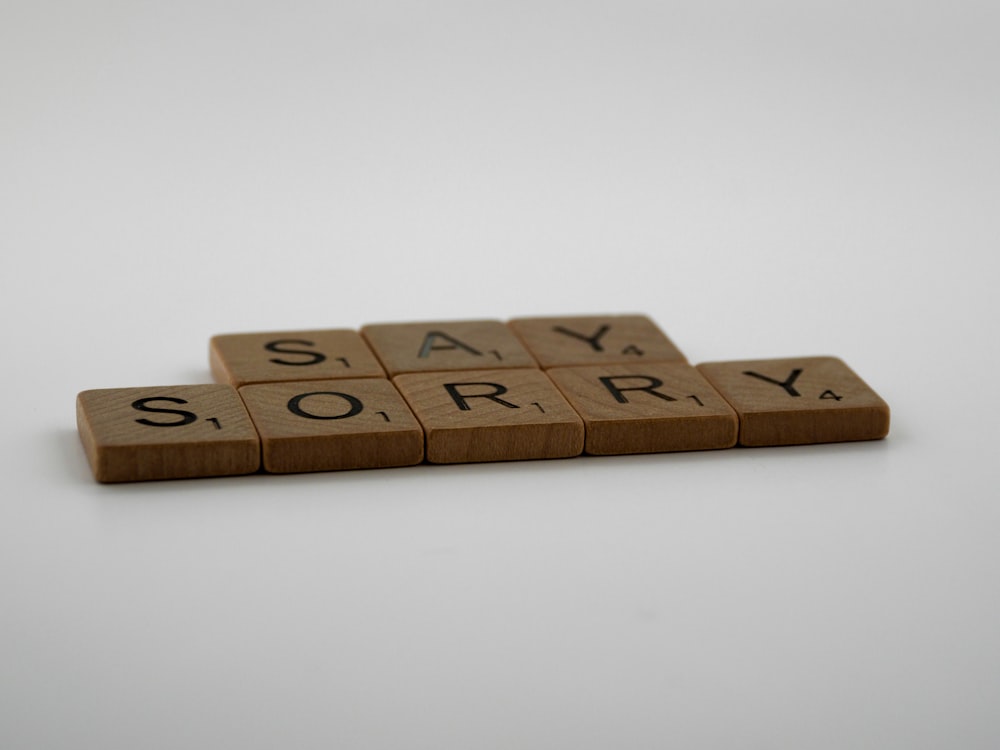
(186, 416)
(651, 384)
(459, 398)
(592, 340)
(428, 346)
(273, 346)
(787, 385)
(294, 405)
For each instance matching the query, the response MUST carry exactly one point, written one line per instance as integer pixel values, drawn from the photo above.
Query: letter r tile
(492, 415)
(244, 358)
(454, 345)
(327, 425)
(649, 407)
(799, 401)
(595, 340)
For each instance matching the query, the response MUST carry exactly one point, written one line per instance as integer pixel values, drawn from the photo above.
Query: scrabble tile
(245, 358)
(455, 345)
(492, 415)
(167, 432)
(333, 424)
(800, 400)
(647, 407)
(594, 340)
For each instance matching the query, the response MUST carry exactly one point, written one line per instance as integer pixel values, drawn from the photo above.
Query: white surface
(769, 179)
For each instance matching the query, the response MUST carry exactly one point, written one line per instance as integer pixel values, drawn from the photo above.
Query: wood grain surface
(799, 400)
(333, 425)
(166, 432)
(453, 345)
(492, 415)
(595, 339)
(245, 358)
(648, 407)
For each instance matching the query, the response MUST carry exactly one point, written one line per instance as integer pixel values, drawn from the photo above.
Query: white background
(763, 179)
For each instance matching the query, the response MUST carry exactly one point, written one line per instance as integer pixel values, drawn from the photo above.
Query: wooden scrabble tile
(167, 432)
(245, 358)
(647, 407)
(334, 424)
(492, 415)
(800, 400)
(455, 345)
(595, 339)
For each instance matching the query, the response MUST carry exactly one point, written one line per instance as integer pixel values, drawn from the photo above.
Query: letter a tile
(455, 345)
(595, 340)
(333, 424)
(648, 407)
(492, 415)
(799, 401)
(166, 432)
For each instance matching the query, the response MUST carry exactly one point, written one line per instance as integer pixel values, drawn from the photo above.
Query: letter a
(430, 346)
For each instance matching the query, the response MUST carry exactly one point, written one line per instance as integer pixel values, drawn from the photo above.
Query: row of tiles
(390, 349)
(461, 415)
